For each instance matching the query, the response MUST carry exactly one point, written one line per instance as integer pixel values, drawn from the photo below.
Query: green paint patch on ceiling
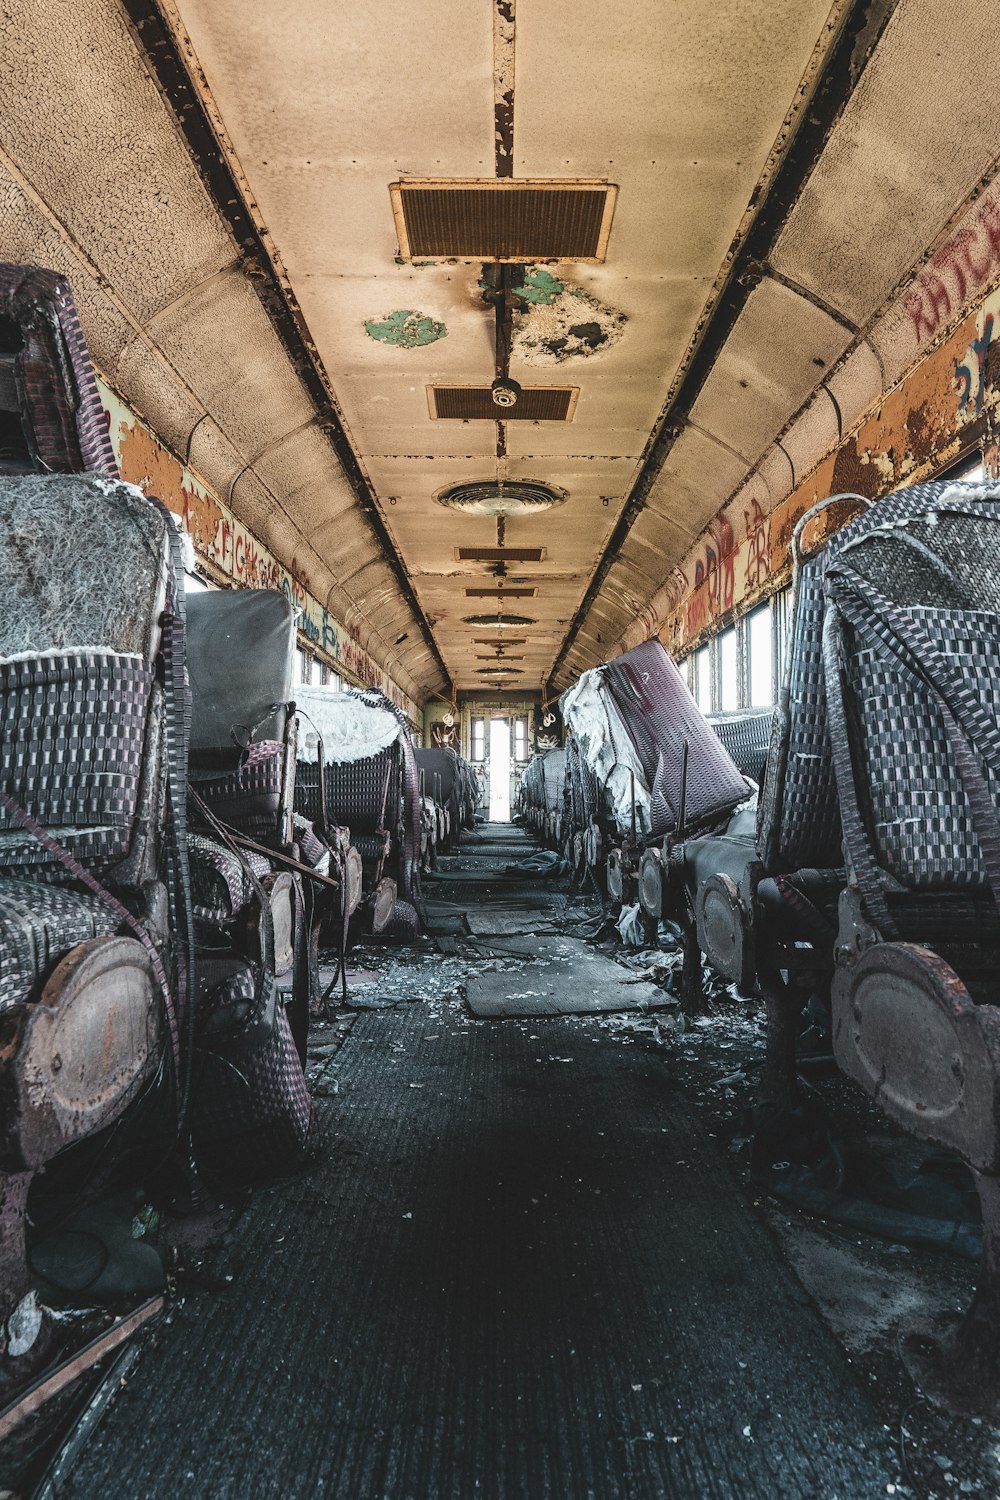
(540, 287)
(405, 329)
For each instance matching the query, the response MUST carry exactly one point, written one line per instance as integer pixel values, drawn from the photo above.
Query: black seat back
(241, 661)
(798, 820)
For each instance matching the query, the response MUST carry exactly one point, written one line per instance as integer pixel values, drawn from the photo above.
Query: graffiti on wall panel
(963, 265)
(222, 540)
(714, 575)
(943, 408)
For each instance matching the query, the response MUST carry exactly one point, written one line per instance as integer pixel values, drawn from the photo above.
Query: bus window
(760, 649)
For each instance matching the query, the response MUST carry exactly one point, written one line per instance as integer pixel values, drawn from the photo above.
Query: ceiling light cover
(499, 620)
(492, 497)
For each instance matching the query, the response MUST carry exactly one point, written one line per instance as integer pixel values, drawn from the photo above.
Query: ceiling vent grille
(503, 219)
(500, 593)
(474, 403)
(499, 554)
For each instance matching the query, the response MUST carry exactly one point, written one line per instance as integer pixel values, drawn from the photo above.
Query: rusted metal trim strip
(35, 1397)
(842, 70)
(158, 45)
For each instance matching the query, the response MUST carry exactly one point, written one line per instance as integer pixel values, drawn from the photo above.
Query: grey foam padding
(83, 562)
(565, 978)
(241, 657)
(531, 1275)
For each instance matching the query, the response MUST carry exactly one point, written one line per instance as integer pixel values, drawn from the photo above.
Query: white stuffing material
(70, 651)
(589, 711)
(351, 729)
(188, 555)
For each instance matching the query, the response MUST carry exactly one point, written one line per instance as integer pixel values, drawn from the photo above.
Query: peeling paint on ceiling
(405, 329)
(562, 321)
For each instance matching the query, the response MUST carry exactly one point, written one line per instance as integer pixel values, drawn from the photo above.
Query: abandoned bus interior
(499, 750)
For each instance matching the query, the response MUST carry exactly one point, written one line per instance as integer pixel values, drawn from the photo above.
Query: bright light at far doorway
(499, 770)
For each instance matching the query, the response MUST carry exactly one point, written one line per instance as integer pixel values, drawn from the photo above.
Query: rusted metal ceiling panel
(778, 350)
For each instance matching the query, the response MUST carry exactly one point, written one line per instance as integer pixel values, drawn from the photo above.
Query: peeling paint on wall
(230, 549)
(405, 329)
(561, 322)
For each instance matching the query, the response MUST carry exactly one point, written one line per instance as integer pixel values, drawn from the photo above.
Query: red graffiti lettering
(757, 564)
(967, 260)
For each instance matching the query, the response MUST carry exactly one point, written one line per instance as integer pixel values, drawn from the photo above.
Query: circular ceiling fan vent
(499, 620)
(492, 497)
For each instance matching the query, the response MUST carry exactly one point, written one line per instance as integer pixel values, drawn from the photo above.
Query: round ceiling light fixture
(508, 497)
(499, 620)
(505, 392)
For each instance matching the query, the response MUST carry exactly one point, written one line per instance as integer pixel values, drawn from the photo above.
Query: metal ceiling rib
(860, 29)
(158, 44)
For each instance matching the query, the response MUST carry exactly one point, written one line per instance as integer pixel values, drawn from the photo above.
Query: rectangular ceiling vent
(499, 554)
(499, 593)
(474, 403)
(503, 219)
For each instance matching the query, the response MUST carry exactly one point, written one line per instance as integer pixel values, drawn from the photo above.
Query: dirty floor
(523, 1268)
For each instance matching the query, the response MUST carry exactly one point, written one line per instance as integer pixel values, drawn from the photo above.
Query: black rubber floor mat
(564, 977)
(521, 1271)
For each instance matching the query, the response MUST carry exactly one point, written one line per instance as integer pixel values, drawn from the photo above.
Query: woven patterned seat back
(660, 715)
(925, 598)
(220, 884)
(582, 789)
(38, 924)
(553, 764)
(798, 821)
(84, 564)
(356, 792)
(51, 417)
(746, 738)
